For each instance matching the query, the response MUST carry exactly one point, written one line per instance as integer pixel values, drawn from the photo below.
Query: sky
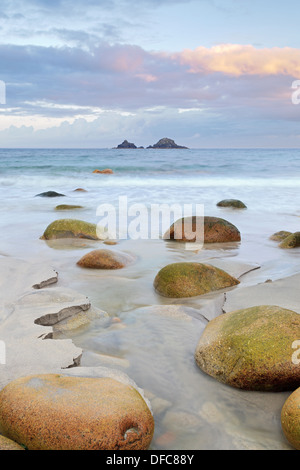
(92, 73)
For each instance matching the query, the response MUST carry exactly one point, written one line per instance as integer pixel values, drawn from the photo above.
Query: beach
(120, 322)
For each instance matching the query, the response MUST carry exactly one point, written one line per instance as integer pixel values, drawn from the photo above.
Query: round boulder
(107, 171)
(105, 259)
(50, 194)
(280, 236)
(251, 349)
(212, 229)
(67, 207)
(290, 419)
(292, 241)
(233, 203)
(70, 228)
(53, 412)
(181, 280)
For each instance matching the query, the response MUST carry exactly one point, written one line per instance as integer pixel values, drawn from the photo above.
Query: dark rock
(126, 145)
(50, 194)
(166, 143)
(233, 203)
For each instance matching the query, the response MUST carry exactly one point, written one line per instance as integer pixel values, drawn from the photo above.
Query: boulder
(234, 203)
(70, 228)
(166, 143)
(251, 349)
(80, 190)
(7, 444)
(107, 171)
(56, 412)
(50, 194)
(280, 236)
(191, 279)
(67, 207)
(292, 241)
(214, 230)
(290, 419)
(105, 259)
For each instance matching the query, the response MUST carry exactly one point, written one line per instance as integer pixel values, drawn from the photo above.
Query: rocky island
(164, 143)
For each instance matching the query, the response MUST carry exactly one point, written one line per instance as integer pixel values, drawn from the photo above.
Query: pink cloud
(237, 60)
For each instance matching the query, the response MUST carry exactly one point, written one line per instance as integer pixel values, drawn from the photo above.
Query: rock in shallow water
(292, 241)
(290, 419)
(251, 349)
(70, 228)
(50, 194)
(205, 229)
(233, 203)
(67, 207)
(280, 236)
(191, 279)
(105, 259)
(53, 412)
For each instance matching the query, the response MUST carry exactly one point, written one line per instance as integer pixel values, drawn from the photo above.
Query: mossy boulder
(53, 412)
(105, 259)
(70, 228)
(7, 444)
(280, 236)
(191, 279)
(290, 419)
(233, 203)
(212, 229)
(67, 207)
(251, 349)
(292, 241)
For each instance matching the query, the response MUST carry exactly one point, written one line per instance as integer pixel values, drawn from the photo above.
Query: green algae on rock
(280, 236)
(251, 349)
(290, 419)
(179, 280)
(233, 203)
(292, 241)
(67, 207)
(70, 228)
(205, 229)
(56, 412)
(8, 444)
(105, 259)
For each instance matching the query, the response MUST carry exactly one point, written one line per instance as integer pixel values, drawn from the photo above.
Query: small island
(164, 143)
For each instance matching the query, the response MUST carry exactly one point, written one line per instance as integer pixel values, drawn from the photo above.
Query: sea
(192, 411)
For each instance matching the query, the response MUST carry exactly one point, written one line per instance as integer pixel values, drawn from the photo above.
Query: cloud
(237, 60)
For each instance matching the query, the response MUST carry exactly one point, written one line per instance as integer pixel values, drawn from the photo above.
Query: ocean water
(192, 411)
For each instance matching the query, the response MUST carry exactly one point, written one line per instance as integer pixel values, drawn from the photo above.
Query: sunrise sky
(207, 73)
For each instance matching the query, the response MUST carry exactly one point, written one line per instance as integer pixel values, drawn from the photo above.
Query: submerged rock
(107, 171)
(67, 207)
(55, 412)
(50, 194)
(70, 228)
(105, 259)
(214, 230)
(280, 236)
(7, 444)
(292, 241)
(234, 203)
(290, 419)
(166, 143)
(191, 279)
(251, 349)
(80, 190)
